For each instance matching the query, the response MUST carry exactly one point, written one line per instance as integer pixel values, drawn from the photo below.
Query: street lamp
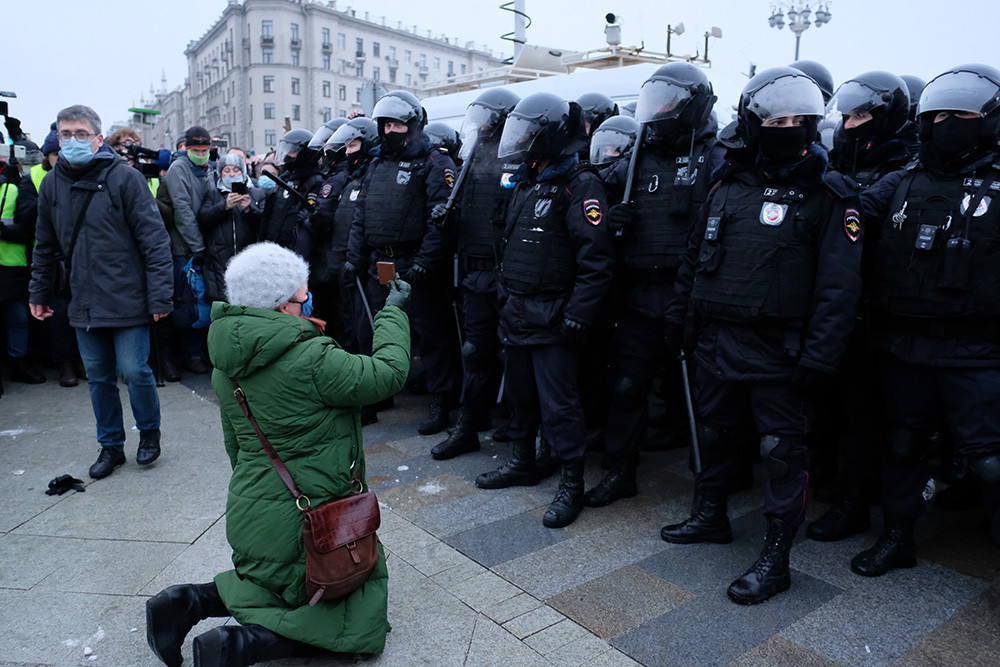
(798, 13)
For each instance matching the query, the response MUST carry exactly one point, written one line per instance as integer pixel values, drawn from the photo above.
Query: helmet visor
(322, 135)
(341, 136)
(959, 91)
(609, 145)
(855, 98)
(479, 121)
(661, 100)
(519, 134)
(394, 108)
(787, 96)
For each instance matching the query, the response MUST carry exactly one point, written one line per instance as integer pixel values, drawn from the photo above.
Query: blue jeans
(16, 314)
(105, 353)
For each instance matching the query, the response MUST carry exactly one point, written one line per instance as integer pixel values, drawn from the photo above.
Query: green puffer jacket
(304, 391)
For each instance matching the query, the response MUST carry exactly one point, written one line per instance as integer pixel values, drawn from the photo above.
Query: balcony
(296, 44)
(359, 56)
(326, 48)
(393, 63)
(422, 71)
(267, 40)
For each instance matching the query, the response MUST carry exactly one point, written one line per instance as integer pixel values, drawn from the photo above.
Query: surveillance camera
(613, 18)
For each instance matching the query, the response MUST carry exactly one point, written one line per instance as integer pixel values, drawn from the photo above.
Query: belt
(478, 263)
(396, 250)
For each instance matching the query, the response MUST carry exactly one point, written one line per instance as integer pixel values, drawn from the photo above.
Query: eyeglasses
(82, 135)
(299, 302)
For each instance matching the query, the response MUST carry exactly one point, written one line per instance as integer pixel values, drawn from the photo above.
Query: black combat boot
(437, 416)
(769, 575)
(110, 458)
(240, 645)
(149, 446)
(895, 548)
(618, 482)
(708, 521)
(171, 613)
(22, 371)
(462, 439)
(849, 516)
(568, 503)
(519, 471)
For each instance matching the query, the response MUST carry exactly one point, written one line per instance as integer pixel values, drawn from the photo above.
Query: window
(392, 53)
(343, 113)
(392, 75)
(296, 112)
(342, 93)
(250, 85)
(296, 87)
(327, 114)
(409, 80)
(295, 30)
(268, 84)
(325, 33)
(250, 112)
(268, 110)
(451, 68)
(295, 58)
(376, 49)
(270, 138)
(359, 45)
(267, 29)
(408, 56)
(377, 73)
(341, 40)
(326, 89)
(423, 60)
(463, 68)
(326, 61)
(437, 63)
(357, 98)
(359, 70)
(267, 56)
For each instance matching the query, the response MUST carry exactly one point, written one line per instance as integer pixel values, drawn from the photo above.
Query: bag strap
(79, 224)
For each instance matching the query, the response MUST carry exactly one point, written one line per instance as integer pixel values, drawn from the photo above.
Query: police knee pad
(987, 468)
(626, 393)
(777, 453)
(903, 448)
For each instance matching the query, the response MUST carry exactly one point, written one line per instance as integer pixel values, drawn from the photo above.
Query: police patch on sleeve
(325, 191)
(449, 177)
(592, 211)
(852, 224)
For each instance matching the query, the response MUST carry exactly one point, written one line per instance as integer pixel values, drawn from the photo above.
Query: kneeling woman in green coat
(305, 392)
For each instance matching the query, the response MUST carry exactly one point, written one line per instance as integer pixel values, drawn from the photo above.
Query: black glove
(64, 483)
(573, 332)
(348, 273)
(809, 381)
(416, 275)
(622, 215)
(438, 214)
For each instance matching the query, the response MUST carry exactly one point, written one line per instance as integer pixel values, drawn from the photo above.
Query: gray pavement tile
(483, 590)
(611, 658)
(454, 576)
(907, 604)
(197, 563)
(436, 559)
(506, 539)
(619, 601)
(406, 499)
(581, 651)
(472, 511)
(970, 637)
(501, 612)
(711, 630)
(777, 650)
(963, 546)
(492, 646)
(554, 637)
(534, 621)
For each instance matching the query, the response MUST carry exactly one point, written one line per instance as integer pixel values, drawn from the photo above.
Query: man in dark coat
(99, 213)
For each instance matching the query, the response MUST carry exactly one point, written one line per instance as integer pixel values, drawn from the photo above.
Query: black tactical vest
(758, 256)
(539, 255)
(483, 204)
(395, 205)
(344, 214)
(939, 253)
(668, 193)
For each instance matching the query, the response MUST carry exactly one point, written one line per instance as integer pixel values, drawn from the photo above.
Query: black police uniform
(772, 274)
(331, 302)
(557, 265)
(391, 224)
(286, 218)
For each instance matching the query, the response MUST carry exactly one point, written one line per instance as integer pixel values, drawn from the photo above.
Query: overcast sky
(106, 53)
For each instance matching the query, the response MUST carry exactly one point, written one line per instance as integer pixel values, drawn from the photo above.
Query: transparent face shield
(341, 136)
(479, 121)
(855, 99)
(519, 134)
(393, 108)
(661, 100)
(322, 135)
(606, 146)
(787, 96)
(959, 91)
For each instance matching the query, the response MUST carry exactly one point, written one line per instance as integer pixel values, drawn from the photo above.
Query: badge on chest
(981, 208)
(402, 177)
(542, 207)
(772, 214)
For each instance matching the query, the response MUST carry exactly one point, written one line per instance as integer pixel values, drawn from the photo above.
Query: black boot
(437, 416)
(519, 471)
(240, 645)
(618, 482)
(769, 575)
(462, 439)
(847, 517)
(568, 503)
(22, 371)
(171, 613)
(708, 522)
(895, 548)
(149, 446)
(109, 459)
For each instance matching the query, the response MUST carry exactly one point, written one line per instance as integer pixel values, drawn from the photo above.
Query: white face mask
(227, 181)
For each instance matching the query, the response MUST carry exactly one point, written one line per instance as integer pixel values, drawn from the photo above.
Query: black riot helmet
(402, 106)
(444, 136)
(485, 117)
(293, 150)
(818, 73)
(542, 126)
(882, 95)
(775, 93)
(596, 108)
(615, 138)
(628, 109)
(973, 88)
(325, 131)
(676, 100)
(361, 128)
(915, 85)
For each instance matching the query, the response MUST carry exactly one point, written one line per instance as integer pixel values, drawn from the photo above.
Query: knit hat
(264, 275)
(163, 161)
(197, 136)
(51, 143)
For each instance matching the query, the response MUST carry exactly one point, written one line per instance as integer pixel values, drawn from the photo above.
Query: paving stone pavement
(475, 579)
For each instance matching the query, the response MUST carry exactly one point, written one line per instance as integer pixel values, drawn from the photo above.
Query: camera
(143, 159)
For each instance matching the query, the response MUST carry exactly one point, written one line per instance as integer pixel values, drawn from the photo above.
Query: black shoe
(239, 645)
(568, 503)
(168, 369)
(769, 575)
(109, 459)
(437, 417)
(895, 548)
(462, 439)
(519, 471)
(67, 376)
(847, 517)
(197, 365)
(171, 613)
(708, 522)
(618, 482)
(149, 447)
(22, 371)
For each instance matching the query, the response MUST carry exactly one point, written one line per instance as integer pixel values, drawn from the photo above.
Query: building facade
(267, 60)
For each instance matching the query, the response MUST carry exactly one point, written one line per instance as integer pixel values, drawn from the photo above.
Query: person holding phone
(229, 219)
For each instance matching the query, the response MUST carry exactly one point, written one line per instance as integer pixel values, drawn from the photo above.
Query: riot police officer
(286, 218)
(772, 276)
(936, 298)
(556, 268)
(404, 182)
(596, 108)
(672, 174)
(482, 205)
(613, 140)
(444, 136)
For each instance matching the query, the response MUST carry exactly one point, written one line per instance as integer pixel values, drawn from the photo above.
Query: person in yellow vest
(50, 151)
(18, 206)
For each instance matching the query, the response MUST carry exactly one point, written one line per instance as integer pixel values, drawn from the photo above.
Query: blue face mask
(266, 184)
(307, 305)
(76, 151)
